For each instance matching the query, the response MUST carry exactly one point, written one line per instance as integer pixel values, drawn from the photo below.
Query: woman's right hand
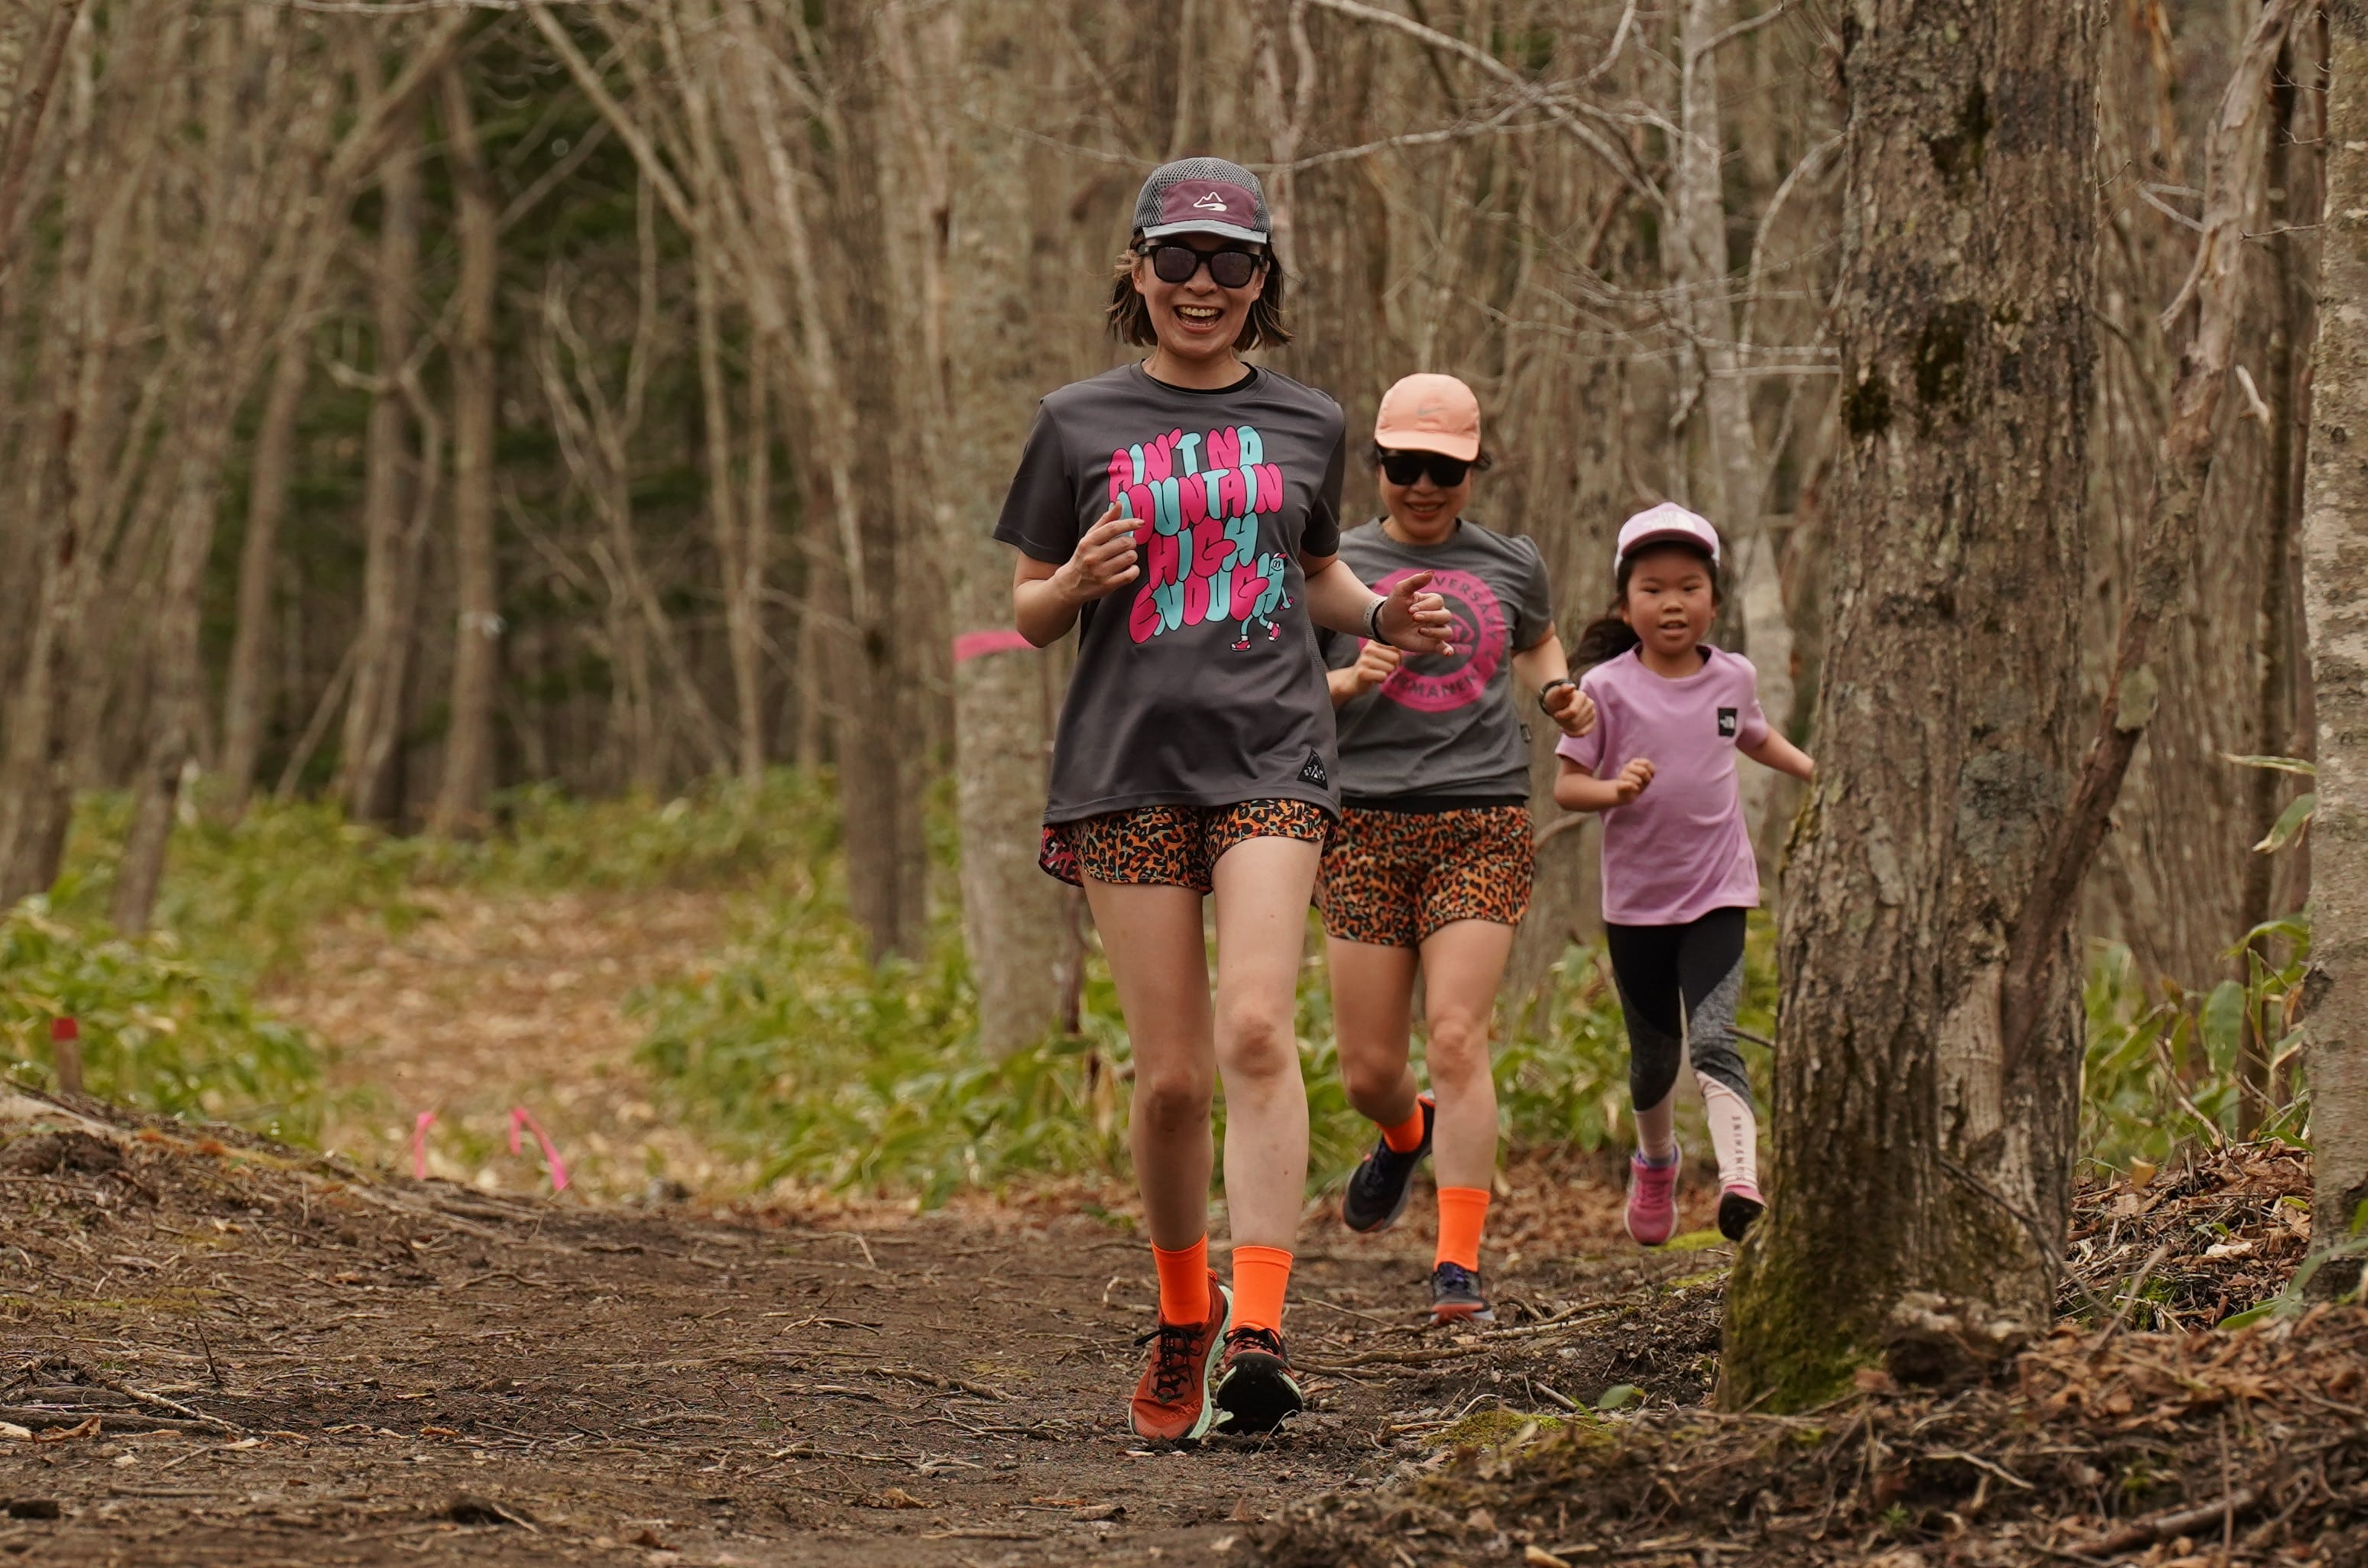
(1375, 664)
(1103, 563)
(1631, 780)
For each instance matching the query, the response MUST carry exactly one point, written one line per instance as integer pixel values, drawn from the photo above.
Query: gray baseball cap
(1202, 196)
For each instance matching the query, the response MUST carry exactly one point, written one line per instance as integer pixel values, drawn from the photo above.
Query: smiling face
(1670, 599)
(1424, 511)
(1198, 321)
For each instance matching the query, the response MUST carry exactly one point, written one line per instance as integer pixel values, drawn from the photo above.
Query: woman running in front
(1430, 865)
(1678, 874)
(1183, 513)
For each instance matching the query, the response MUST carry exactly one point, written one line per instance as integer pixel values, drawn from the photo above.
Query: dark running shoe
(1739, 1204)
(1172, 1402)
(1255, 1390)
(1379, 1187)
(1455, 1296)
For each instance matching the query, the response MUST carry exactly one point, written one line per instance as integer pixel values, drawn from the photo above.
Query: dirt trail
(337, 1367)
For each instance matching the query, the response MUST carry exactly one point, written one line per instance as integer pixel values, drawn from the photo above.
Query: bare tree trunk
(1013, 922)
(1907, 1159)
(374, 707)
(1736, 465)
(267, 507)
(2335, 565)
(468, 744)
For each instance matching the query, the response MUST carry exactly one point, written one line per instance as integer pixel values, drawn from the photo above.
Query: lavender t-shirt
(1681, 849)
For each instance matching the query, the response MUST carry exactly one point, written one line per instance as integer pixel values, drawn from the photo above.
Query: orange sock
(1407, 1136)
(1463, 1212)
(1261, 1275)
(1183, 1282)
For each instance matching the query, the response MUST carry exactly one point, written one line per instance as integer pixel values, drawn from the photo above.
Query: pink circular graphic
(1439, 683)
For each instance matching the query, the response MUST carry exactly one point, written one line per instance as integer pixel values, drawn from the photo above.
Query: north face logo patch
(1726, 723)
(1314, 772)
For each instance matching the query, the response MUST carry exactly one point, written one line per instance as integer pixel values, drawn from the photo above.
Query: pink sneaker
(1653, 1199)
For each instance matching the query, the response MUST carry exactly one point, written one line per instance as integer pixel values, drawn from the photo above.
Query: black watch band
(1374, 622)
(1558, 680)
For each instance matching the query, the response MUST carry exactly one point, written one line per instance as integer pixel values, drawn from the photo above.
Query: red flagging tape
(972, 645)
(65, 1028)
(521, 1117)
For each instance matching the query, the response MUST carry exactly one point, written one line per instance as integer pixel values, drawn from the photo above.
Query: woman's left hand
(1415, 619)
(1571, 709)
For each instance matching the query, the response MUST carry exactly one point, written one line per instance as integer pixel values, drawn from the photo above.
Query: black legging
(1679, 988)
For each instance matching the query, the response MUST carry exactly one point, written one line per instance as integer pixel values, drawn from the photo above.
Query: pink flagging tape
(972, 645)
(419, 1144)
(521, 1117)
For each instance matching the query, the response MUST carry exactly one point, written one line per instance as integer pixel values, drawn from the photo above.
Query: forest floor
(221, 1351)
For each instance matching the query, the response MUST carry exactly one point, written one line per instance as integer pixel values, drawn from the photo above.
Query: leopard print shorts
(1393, 878)
(1175, 847)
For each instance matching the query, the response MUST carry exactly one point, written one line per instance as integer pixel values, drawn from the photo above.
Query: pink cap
(1667, 523)
(1429, 412)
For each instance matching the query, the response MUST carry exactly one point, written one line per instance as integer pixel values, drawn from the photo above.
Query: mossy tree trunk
(2335, 566)
(1910, 1155)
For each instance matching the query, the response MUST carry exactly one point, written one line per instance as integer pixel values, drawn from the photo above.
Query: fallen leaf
(33, 1508)
(1223, 1544)
(88, 1427)
(437, 1432)
(650, 1538)
(1874, 1379)
(1480, 1519)
(895, 1497)
(1539, 1557)
(1100, 1511)
(12, 1433)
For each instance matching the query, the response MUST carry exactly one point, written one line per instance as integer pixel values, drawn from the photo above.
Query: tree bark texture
(244, 700)
(1905, 1159)
(1022, 952)
(374, 704)
(2335, 568)
(469, 740)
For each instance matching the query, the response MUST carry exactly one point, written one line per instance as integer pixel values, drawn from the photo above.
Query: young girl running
(1430, 865)
(1677, 869)
(1182, 512)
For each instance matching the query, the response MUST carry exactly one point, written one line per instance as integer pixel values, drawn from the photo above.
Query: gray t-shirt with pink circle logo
(1446, 725)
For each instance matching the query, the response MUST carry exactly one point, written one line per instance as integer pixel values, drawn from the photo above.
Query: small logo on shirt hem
(1314, 772)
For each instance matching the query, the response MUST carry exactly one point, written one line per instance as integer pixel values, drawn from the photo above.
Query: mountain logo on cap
(1210, 202)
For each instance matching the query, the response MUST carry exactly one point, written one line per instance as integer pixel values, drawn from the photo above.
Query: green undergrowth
(158, 1029)
(169, 1022)
(832, 1074)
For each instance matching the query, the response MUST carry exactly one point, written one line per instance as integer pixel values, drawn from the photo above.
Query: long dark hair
(1130, 318)
(1608, 635)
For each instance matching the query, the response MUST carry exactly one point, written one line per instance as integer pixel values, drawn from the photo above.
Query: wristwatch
(1558, 680)
(1374, 621)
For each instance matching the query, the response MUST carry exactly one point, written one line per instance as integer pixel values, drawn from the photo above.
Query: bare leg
(1462, 964)
(1262, 887)
(1151, 936)
(1372, 998)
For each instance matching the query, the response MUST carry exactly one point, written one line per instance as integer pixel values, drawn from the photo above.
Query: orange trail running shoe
(1173, 1403)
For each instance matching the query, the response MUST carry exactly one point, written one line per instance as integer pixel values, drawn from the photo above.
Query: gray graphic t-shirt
(1198, 683)
(1443, 724)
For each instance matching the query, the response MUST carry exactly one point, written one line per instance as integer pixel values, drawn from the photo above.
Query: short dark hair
(1481, 464)
(1130, 318)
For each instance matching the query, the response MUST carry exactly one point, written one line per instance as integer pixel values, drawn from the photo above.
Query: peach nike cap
(1429, 412)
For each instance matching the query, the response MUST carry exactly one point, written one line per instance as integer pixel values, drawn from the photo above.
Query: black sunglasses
(1228, 269)
(1407, 468)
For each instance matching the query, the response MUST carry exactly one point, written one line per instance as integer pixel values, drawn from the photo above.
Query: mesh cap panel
(1202, 196)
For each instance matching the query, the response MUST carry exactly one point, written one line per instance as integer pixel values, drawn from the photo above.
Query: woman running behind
(1678, 874)
(1182, 512)
(1430, 865)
